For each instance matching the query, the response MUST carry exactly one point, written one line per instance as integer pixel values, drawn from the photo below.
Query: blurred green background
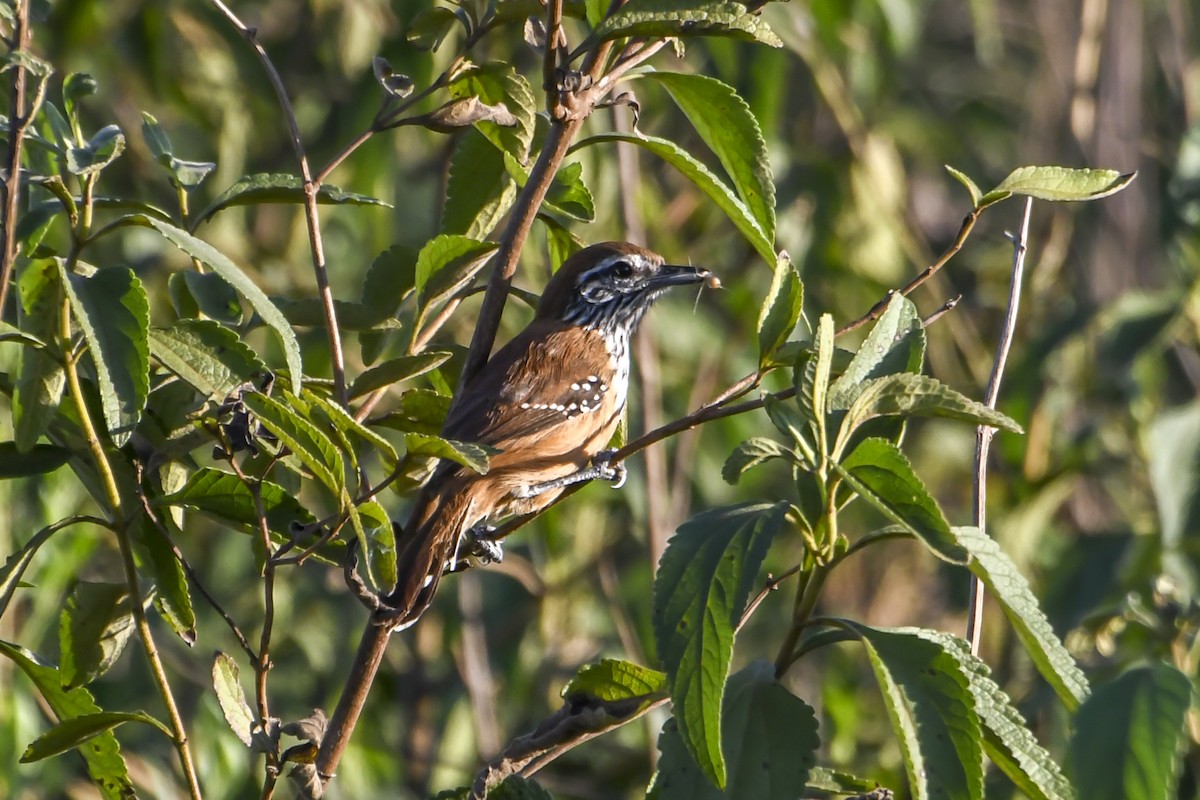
(861, 109)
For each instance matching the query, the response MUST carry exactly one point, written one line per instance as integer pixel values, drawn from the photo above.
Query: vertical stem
(526, 208)
(367, 659)
(983, 434)
(121, 528)
(18, 123)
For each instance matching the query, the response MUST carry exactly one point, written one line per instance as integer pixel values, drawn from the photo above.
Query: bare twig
(964, 231)
(311, 189)
(570, 726)
(984, 434)
(19, 120)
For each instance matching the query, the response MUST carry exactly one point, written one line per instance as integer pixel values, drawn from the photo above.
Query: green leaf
(206, 355)
(157, 557)
(97, 153)
(93, 629)
(705, 180)
(214, 296)
(680, 18)
(498, 83)
(613, 679)
(1061, 183)
(11, 333)
(188, 174)
(418, 411)
(908, 395)
(430, 28)
(895, 344)
(479, 190)
(101, 753)
(232, 699)
(780, 310)
(38, 460)
(472, 456)
(302, 437)
(882, 476)
(76, 731)
(263, 188)
(1007, 584)
(570, 195)
(726, 124)
(823, 779)
(221, 264)
(751, 453)
(224, 495)
(446, 265)
(114, 314)
(700, 593)
(41, 378)
(76, 86)
(967, 183)
(391, 276)
(1173, 449)
(1128, 736)
(928, 698)
(769, 738)
(1007, 740)
(17, 561)
(401, 368)
(157, 140)
(348, 425)
(381, 539)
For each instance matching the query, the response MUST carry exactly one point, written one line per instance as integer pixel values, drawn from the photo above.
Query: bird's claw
(609, 470)
(479, 548)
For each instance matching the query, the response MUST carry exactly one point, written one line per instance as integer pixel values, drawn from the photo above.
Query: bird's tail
(430, 540)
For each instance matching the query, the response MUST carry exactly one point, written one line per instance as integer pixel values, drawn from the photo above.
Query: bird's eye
(623, 269)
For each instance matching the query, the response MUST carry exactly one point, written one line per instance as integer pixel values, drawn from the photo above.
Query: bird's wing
(545, 378)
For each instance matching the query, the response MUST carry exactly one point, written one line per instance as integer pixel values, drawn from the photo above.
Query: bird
(547, 404)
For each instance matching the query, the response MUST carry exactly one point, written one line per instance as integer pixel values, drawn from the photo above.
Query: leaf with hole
(100, 753)
(76, 731)
(700, 593)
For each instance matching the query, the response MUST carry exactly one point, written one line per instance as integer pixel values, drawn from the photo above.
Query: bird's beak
(677, 275)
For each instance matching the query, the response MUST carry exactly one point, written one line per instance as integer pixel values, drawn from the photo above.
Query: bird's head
(609, 286)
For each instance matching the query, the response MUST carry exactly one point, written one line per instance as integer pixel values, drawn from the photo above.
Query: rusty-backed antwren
(549, 402)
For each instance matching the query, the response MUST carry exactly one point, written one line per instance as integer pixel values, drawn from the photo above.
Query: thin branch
(984, 434)
(566, 729)
(964, 231)
(19, 120)
(311, 216)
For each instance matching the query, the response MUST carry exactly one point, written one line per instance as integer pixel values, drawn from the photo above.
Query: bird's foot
(609, 470)
(479, 548)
